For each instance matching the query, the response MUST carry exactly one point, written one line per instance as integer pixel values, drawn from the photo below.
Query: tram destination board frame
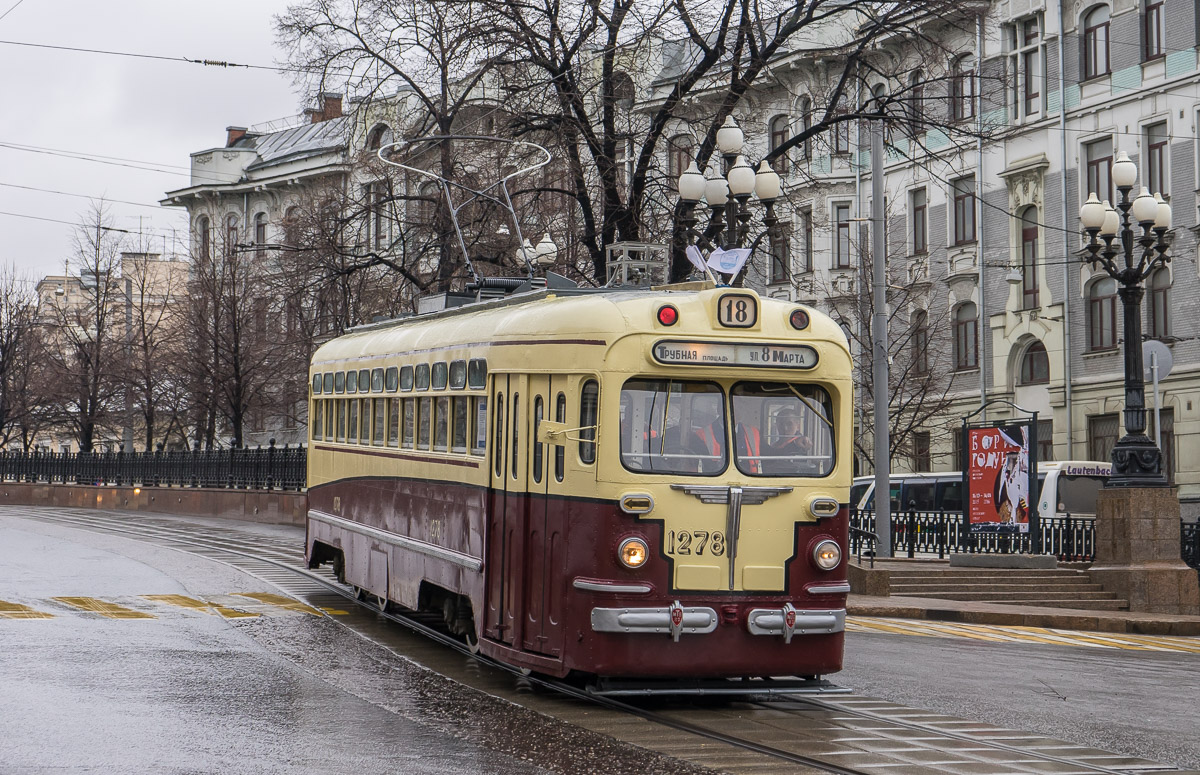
(757, 355)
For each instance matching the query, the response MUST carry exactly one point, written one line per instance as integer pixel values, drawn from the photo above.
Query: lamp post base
(1137, 551)
(1137, 462)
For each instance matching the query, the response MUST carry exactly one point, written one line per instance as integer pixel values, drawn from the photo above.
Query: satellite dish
(1153, 347)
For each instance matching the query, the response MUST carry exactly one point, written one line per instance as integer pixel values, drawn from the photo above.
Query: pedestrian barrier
(262, 468)
(1189, 544)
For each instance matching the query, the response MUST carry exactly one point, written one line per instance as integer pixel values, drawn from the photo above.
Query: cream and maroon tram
(621, 484)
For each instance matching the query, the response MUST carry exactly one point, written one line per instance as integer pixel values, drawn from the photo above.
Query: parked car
(1064, 487)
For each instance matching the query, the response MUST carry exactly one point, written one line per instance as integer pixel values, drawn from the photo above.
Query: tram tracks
(862, 726)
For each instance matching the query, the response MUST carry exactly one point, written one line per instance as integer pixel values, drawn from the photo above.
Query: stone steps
(1059, 588)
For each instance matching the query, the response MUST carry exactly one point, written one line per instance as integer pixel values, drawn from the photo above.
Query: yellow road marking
(280, 601)
(193, 604)
(18, 611)
(1025, 634)
(110, 610)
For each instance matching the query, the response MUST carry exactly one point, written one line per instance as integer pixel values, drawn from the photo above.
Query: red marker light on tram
(799, 319)
(668, 315)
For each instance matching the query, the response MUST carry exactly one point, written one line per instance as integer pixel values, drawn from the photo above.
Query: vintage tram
(621, 484)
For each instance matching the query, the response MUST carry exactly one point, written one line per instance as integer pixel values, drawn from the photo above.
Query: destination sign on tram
(775, 356)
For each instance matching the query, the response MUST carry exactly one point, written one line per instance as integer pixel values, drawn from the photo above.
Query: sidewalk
(972, 612)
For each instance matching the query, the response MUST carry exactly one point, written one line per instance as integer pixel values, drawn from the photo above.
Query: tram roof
(562, 314)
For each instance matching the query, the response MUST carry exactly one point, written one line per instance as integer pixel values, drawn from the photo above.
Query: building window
(964, 210)
(805, 126)
(841, 130)
(1029, 259)
(1027, 68)
(1103, 431)
(1102, 314)
(1152, 32)
(427, 204)
(378, 137)
(679, 157)
(922, 460)
(204, 238)
(966, 337)
(231, 234)
(377, 221)
(1156, 157)
(962, 88)
(260, 235)
(781, 253)
(1098, 156)
(1158, 289)
(1166, 441)
(841, 238)
(916, 103)
(1035, 365)
(920, 343)
(779, 136)
(918, 207)
(1045, 441)
(806, 225)
(1095, 42)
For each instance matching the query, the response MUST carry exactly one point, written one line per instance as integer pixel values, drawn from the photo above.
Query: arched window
(379, 136)
(916, 103)
(1158, 288)
(841, 130)
(204, 238)
(966, 337)
(231, 233)
(1095, 42)
(260, 234)
(805, 125)
(1035, 365)
(1029, 259)
(623, 90)
(962, 88)
(679, 156)
(780, 134)
(920, 342)
(1102, 314)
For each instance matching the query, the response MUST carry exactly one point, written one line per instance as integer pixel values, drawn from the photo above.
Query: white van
(1064, 487)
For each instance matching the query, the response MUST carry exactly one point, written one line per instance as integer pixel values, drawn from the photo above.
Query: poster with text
(998, 479)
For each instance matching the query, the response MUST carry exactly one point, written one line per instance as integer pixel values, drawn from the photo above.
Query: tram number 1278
(695, 541)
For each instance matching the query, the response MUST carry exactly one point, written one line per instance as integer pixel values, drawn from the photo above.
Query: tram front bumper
(676, 620)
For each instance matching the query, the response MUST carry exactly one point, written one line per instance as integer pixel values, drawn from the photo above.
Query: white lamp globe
(766, 183)
(741, 178)
(1162, 218)
(716, 192)
(547, 251)
(1112, 221)
(691, 184)
(729, 137)
(1092, 212)
(1124, 171)
(1145, 209)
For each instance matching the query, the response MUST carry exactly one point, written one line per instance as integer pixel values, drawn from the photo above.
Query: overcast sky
(149, 112)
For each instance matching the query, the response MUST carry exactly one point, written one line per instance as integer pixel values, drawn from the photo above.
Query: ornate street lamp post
(728, 196)
(1137, 461)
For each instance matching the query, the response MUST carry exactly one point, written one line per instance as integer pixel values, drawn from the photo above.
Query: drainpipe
(1066, 214)
(984, 327)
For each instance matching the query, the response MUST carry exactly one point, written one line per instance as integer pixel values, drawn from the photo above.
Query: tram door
(504, 527)
(545, 529)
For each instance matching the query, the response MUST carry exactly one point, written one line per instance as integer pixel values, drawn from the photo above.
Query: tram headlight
(827, 554)
(633, 552)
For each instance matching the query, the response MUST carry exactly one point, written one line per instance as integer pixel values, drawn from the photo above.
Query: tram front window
(673, 427)
(782, 429)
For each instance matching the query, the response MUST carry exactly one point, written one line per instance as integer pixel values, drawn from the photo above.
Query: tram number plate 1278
(695, 542)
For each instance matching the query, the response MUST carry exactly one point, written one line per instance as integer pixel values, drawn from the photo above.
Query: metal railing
(261, 468)
(941, 533)
(1189, 543)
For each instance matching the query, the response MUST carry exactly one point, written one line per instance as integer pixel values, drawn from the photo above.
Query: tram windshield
(680, 427)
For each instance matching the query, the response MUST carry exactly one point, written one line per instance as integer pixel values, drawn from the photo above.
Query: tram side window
(364, 381)
(410, 422)
(560, 457)
(458, 439)
(673, 426)
(341, 429)
(364, 435)
(406, 379)
(589, 410)
(477, 374)
(422, 377)
(480, 438)
(377, 435)
(538, 452)
(330, 410)
(442, 417)
(498, 435)
(393, 436)
(317, 425)
(352, 430)
(316, 388)
(376, 380)
(339, 382)
(782, 429)
(327, 382)
(391, 379)
(514, 441)
(439, 375)
(423, 422)
(352, 382)
(458, 375)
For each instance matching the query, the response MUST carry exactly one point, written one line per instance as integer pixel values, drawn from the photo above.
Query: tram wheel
(359, 593)
(339, 568)
(472, 641)
(380, 602)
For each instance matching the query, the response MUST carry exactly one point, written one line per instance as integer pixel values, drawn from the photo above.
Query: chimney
(233, 134)
(330, 107)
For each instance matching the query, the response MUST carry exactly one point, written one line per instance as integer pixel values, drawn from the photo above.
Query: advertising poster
(998, 479)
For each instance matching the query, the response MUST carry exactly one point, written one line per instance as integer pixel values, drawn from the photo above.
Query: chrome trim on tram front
(597, 585)
(669, 620)
(788, 621)
(828, 589)
(394, 539)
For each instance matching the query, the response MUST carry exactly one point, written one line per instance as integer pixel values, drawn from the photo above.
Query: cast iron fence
(947, 532)
(1189, 541)
(261, 468)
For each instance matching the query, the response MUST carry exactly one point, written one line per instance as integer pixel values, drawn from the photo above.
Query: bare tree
(19, 342)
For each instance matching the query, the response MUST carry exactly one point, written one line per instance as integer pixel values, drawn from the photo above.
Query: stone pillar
(1137, 550)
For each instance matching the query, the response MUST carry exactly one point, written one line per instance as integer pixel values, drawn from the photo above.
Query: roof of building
(300, 141)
